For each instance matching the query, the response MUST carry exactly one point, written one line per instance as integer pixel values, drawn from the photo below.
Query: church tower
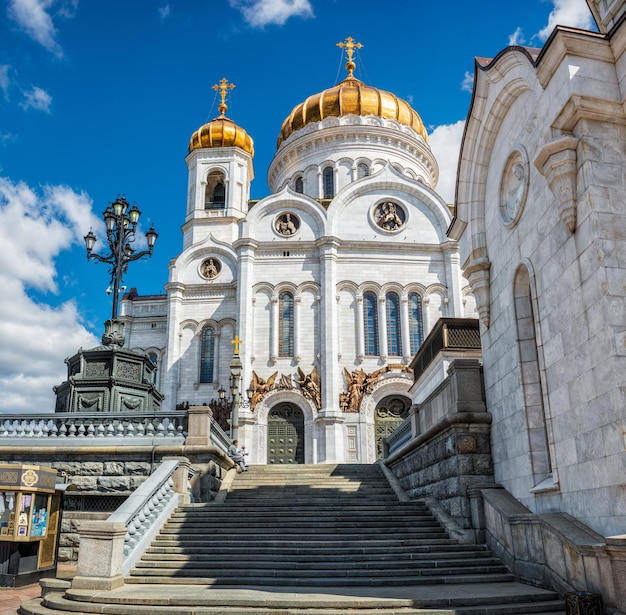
(220, 171)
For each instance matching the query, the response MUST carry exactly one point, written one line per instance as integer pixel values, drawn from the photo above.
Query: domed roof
(222, 131)
(351, 96)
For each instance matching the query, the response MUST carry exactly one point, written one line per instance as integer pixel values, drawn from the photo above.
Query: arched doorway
(389, 414)
(285, 434)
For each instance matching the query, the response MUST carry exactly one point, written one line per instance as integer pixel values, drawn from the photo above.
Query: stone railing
(106, 428)
(444, 444)
(67, 427)
(109, 549)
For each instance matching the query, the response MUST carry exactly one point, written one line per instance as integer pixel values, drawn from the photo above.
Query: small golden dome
(221, 132)
(351, 96)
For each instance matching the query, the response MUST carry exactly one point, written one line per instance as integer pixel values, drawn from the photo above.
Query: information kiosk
(29, 523)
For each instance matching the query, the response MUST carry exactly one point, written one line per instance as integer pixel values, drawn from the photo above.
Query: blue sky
(100, 98)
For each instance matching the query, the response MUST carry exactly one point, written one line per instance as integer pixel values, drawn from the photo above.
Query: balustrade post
(199, 426)
(180, 478)
(100, 555)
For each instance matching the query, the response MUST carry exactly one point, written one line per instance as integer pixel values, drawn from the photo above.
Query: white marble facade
(328, 253)
(541, 220)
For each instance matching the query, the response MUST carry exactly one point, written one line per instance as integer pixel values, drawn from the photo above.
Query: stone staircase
(310, 539)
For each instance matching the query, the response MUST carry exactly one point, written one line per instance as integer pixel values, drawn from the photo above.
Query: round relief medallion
(287, 224)
(389, 216)
(210, 268)
(514, 187)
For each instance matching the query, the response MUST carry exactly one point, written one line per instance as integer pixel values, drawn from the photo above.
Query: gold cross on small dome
(223, 86)
(350, 46)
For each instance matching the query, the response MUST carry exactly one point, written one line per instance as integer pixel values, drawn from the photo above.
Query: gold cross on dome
(223, 86)
(350, 46)
(236, 341)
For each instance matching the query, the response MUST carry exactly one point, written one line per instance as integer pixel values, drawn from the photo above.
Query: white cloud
(574, 13)
(38, 99)
(517, 38)
(34, 229)
(260, 13)
(164, 11)
(467, 85)
(33, 18)
(4, 80)
(445, 142)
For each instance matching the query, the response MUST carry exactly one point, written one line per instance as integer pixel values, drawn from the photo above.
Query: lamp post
(121, 225)
(235, 401)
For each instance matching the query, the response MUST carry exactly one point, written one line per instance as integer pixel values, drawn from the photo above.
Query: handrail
(145, 511)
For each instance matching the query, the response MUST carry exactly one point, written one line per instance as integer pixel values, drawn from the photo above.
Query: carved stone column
(557, 162)
(477, 274)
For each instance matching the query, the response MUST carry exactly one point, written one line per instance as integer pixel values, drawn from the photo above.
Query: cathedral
(328, 285)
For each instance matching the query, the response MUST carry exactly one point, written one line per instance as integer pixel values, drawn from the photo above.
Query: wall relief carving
(514, 186)
(311, 386)
(287, 224)
(260, 388)
(389, 216)
(358, 383)
(210, 268)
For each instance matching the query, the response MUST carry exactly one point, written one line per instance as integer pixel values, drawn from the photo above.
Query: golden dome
(222, 131)
(351, 96)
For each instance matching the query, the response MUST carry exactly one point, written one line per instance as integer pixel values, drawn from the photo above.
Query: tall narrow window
(215, 192)
(285, 325)
(394, 338)
(370, 324)
(362, 170)
(299, 185)
(207, 354)
(416, 326)
(328, 177)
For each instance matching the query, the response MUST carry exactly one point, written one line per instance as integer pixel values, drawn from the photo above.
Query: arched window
(370, 324)
(285, 325)
(215, 193)
(362, 170)
(531, 376)
(207, 354)
(328, 178)
(299, 184)
(416, 326)
(394, 337)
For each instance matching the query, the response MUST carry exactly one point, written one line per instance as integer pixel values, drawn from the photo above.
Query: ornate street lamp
(121, 224)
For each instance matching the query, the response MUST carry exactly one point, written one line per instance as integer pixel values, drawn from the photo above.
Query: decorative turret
(220, 169)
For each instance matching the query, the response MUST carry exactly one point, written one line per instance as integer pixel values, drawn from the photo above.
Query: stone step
(163, 576)
(315, 530)
(263, 564)
(486, 599)
(303, 540)
(313, 559)
(280, 515)
(440, 549)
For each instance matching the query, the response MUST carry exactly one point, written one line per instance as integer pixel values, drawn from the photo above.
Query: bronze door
(389, 414)
(285, 435)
